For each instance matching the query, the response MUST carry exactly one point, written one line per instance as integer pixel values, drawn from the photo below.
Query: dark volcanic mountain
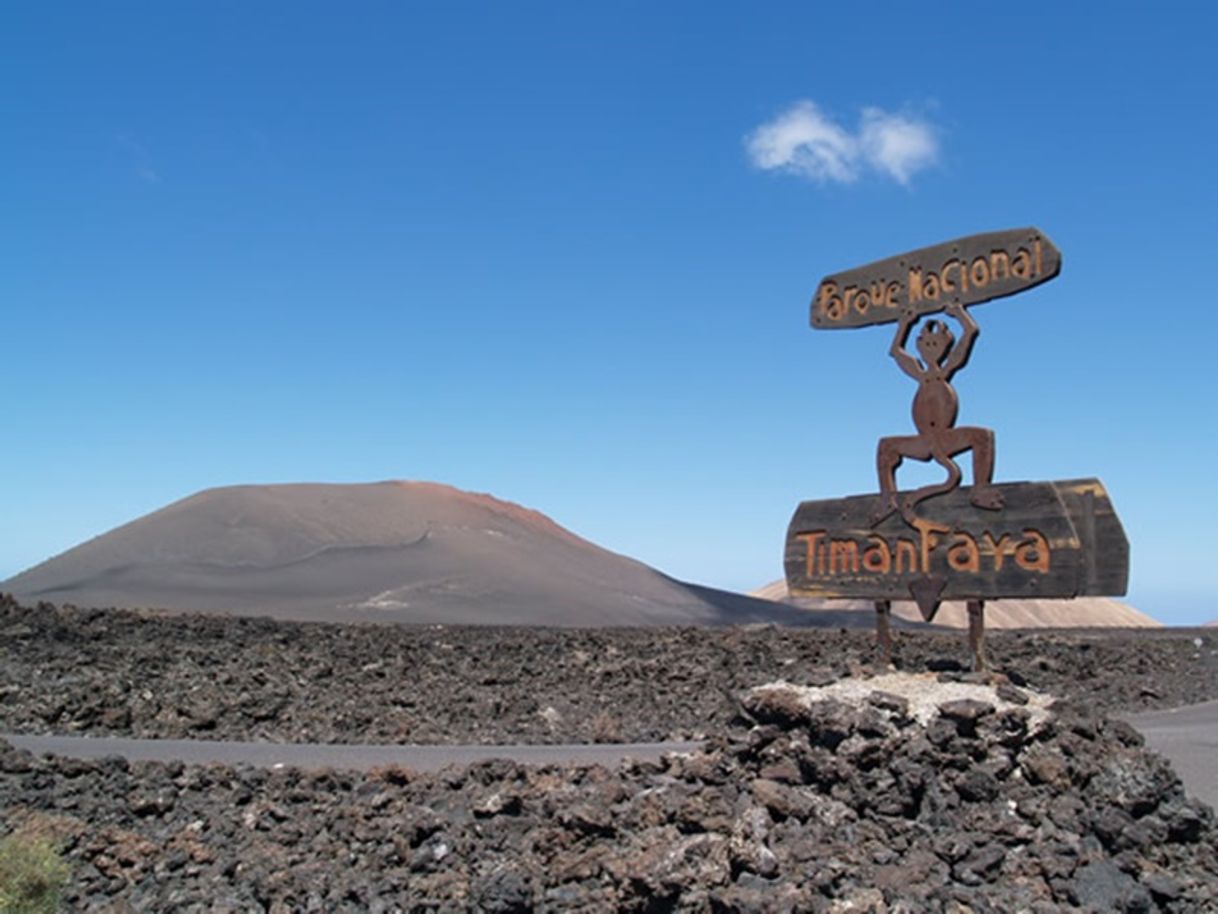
(389, 551)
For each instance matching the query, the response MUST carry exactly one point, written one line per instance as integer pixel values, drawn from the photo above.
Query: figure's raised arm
(908, 363)
(960, 352)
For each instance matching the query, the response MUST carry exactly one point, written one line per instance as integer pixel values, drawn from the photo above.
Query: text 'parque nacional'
(965, 271)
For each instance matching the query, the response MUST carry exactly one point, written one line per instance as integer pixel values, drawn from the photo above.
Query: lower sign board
(1050, 539)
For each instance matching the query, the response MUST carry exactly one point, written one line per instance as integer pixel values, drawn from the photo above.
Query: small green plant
(32, 876)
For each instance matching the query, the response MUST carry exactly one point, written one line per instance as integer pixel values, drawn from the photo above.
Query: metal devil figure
(944, 541)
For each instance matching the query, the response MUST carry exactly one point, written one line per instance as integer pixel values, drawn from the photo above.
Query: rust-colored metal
(971, 270)
(984, 541)
(926, 592)
(976, 633)
(1051, 539)
(935, 407)
(883, 631)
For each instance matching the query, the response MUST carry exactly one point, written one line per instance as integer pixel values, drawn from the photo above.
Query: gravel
(70, 671)
(824, 805)
(821, 787)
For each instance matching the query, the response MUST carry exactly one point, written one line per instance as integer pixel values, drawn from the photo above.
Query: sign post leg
(883, 631)
(976, 633)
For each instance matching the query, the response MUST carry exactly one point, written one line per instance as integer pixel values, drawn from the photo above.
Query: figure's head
(934, 342)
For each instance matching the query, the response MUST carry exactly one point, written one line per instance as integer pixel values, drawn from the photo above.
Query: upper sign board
(968, 270)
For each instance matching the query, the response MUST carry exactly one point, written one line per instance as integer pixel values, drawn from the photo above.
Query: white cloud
(897, 145)
(804, 141)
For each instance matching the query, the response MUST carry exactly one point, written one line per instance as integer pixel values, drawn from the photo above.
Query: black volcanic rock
(920, 826)
(224, 677)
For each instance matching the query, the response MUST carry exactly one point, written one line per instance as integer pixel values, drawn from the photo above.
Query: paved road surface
(315, 755)
(1187, 736)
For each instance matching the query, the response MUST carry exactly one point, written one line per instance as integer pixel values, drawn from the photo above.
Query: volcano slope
(405, 552)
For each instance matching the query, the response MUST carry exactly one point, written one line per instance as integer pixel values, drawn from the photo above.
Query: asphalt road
(318, 755)
(1187, 736)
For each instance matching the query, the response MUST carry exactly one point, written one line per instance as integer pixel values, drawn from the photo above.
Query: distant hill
(391, 551)
(1083, 612)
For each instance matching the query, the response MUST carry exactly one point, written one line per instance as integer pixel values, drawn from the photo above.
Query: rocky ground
(802, 802)
(122, 673)
(838, 789)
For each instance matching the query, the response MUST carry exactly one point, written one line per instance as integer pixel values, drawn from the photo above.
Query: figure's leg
(981, 442)
(889, 454)
(942, 455)
(887, 459)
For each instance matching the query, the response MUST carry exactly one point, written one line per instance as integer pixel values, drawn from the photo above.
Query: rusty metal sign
(935, 407)
(966, 271)
(943, 541)
(1051, 539)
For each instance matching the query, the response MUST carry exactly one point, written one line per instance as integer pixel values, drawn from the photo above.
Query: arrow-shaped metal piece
(926, 591)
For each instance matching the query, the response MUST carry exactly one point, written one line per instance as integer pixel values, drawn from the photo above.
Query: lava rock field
(112, 672)
(984, 804)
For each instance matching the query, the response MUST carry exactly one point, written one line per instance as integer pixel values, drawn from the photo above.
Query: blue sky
(530, 249)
